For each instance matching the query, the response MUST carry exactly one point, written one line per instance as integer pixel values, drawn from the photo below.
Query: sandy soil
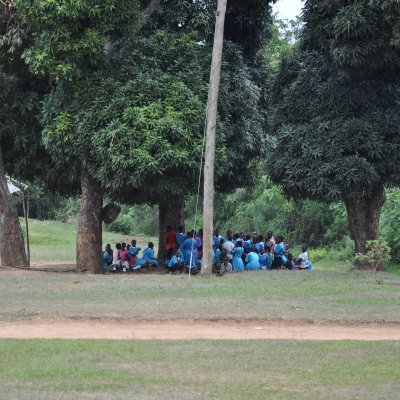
(195, 329)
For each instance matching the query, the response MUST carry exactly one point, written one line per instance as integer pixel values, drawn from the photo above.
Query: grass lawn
(320, 295)
(37, 369)
(202, 369)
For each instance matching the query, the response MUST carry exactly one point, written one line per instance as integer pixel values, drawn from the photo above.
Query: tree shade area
(109, 99)
(336, 119)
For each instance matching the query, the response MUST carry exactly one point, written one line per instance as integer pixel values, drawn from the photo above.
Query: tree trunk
(89, 240)
(212, 106)
(170, 213)
(12, 248)
(363, 214)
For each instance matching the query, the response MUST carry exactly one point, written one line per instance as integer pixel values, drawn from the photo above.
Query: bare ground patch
(186, 329)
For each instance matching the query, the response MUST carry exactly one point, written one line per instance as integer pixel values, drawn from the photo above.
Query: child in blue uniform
(107, 257)
(189, 248)
(176, 263)
(278, 253)
(180, 237)
(237, 262)
(148, 257)
(252, 260)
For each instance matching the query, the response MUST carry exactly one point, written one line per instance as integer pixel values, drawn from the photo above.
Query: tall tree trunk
(89, 240)
(363, 214)
(170, 213)
(12, 249)
(212, 106)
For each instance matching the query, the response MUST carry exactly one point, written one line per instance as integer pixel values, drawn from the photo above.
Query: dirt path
(195, 329)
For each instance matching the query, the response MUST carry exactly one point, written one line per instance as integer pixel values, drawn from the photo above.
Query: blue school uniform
(264, 261)
(279, 250)
(189, 251)
(107, 260)
(173, 261)
(237, 262)
(247, 245)
(217, 256)
(253, 261)
(180, 238)
(217, 239)
(134, 251)
(148, 257)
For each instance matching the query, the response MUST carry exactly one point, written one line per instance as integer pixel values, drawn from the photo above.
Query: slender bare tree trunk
(363, 214)
(215, 76)
(170, 213)
(12, 249)
(89, 239)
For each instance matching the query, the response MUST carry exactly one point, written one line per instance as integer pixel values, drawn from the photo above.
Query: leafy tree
(134, 122)
(335, 111)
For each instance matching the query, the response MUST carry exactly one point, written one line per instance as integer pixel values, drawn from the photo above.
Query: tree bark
(89, 239)
(363, 214)
(12, 248)
(170, 213)
(212, 105)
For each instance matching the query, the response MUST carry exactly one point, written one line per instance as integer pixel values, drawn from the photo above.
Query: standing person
(278, 253)
(180, 237)
(228, 246)
(237, 262)
(270, 243)
(170, 240)
(189, 250)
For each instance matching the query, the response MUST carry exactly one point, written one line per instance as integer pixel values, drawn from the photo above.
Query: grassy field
(202, 369)
(325, 295)
(256, 370)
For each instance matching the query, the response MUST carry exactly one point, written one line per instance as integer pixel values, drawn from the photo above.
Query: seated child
(247, 244)
(116, 263)
(264, 260)
(303, 262)
(123, 255)
(252, 260)
(176, 263)
(290, 264)
(148, 256)
(107, 257)
(133, 253)
(226, 266)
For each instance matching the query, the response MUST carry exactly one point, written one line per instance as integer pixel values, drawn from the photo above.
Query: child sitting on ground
(176, 263)
(264, 260)
(123, 255)
(107, 257)
(148, 256)
(226, 266)
(116, 263)
(133, 253)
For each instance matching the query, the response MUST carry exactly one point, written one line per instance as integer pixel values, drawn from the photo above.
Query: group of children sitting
(236, 252)
(125, 257)
(184, 252)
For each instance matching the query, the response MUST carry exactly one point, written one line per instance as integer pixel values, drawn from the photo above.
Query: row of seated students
(237, 252)
(126, 257)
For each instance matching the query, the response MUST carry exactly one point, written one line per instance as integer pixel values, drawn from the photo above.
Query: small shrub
(378, 253)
